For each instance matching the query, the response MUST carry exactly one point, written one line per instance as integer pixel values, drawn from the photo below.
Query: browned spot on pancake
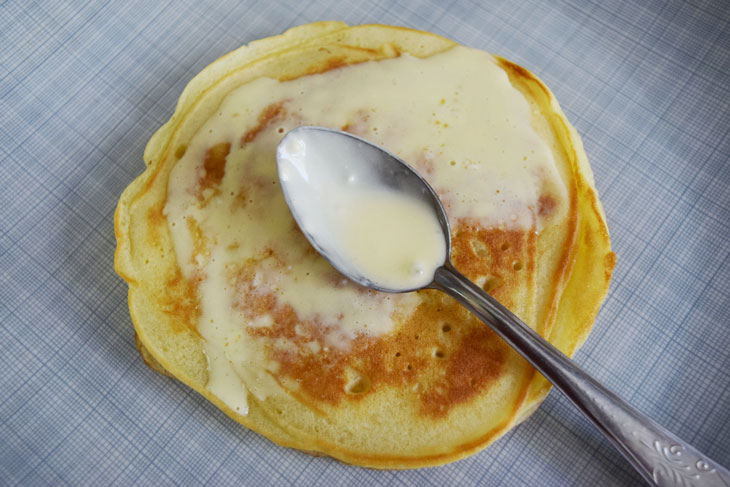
(516, 69)
(446, 367)
(155, 221)
(181, 302)
(531, 245)
(440, 354)
(272, 113)
(545, 205)
(492, 255)
(320, 376)
(316, 377)
(610, 262)
(200, 242)
(471, 357)
(492, 283)
(476, 362)
(215, 165)
(519, 74)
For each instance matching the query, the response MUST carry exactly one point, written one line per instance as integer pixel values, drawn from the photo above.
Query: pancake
(227, 296)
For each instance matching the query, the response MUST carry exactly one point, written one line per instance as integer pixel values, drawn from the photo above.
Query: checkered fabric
(84, 84)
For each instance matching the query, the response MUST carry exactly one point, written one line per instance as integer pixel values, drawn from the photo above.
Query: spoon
(323, 171)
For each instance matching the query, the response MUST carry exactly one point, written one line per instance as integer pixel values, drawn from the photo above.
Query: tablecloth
(84, 84)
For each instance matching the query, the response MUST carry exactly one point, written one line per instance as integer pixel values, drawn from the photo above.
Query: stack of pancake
(228, 297)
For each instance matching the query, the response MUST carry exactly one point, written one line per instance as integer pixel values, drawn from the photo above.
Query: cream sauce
(454, 117)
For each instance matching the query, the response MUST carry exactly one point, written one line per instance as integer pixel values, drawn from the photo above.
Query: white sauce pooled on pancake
(453, 116)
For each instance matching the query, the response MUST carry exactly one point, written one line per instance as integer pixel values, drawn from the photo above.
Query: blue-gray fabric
(83, 85)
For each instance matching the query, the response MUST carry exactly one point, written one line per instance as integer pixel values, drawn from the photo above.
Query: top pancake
(204, 239)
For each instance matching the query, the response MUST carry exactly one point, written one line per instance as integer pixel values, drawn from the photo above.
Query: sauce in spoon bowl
(367, 218)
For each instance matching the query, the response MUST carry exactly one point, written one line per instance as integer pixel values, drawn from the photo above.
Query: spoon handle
(658, 455)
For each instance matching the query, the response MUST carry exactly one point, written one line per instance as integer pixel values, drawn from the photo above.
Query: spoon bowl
(313, 187)
(321, 170)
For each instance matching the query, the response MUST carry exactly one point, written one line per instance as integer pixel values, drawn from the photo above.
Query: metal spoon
(658, 455)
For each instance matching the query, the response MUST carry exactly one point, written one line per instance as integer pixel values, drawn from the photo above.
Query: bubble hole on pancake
(427, 383)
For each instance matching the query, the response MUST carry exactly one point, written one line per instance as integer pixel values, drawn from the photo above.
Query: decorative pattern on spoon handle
(676, 464)
(666, 460)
